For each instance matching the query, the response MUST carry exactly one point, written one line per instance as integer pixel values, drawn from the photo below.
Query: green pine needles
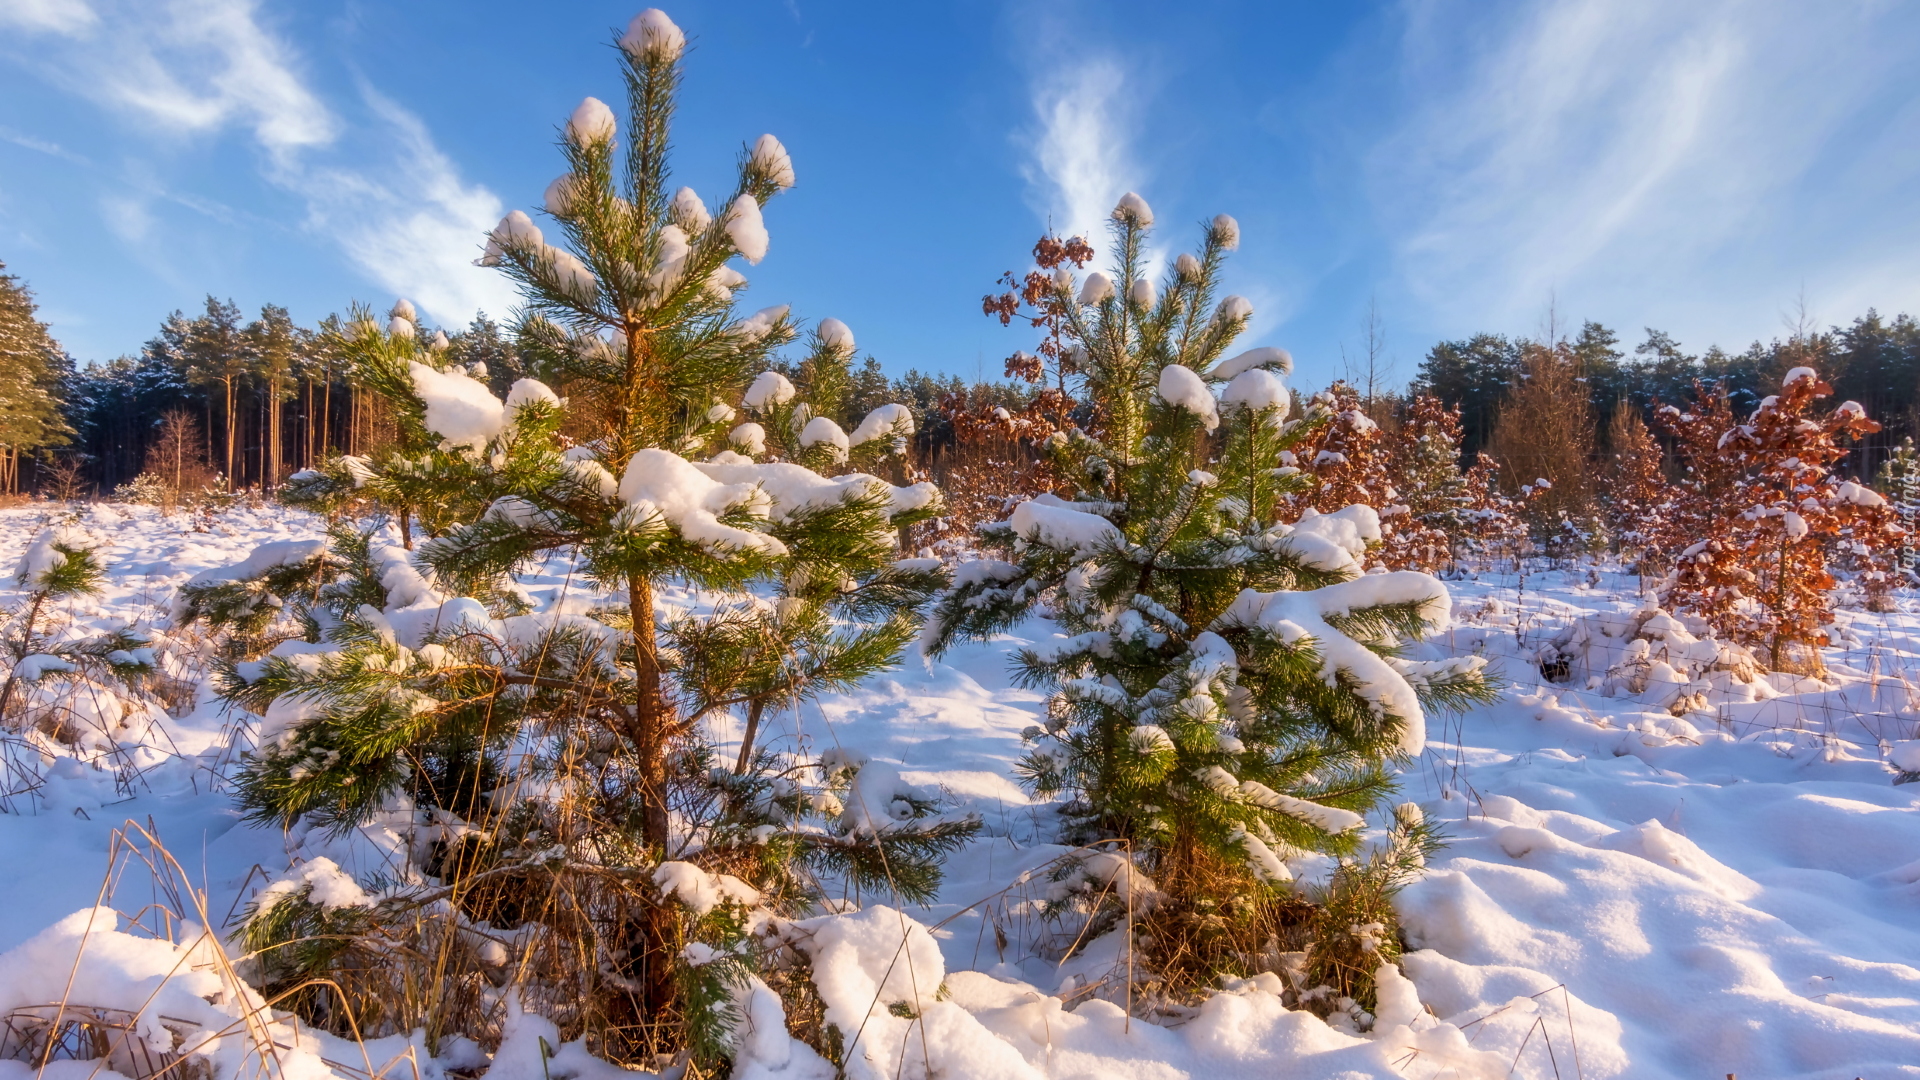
(1230, 697)
(59, 564)
(559, 756)
(1900, 483)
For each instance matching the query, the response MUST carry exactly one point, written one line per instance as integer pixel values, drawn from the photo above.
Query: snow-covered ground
(1627, 893)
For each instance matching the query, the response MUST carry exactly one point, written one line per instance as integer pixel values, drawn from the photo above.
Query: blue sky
(1702, 167)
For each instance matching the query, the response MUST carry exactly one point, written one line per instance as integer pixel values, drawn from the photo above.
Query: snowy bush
(1761, 519)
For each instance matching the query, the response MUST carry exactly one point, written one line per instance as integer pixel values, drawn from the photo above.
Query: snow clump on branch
(886, 419)
(1232, 308)
(1257, 389)
(1096, 289)
(1226, 232)
(592, 122)
(1180, 387)
(747, 229)
(1048, 520)
(658, 483)
(795, 489)
(559, 195)
(516, 232)
(1142, 293)
(1133, 210)
(653, 36)
(1301, 618)
(689, 212)
(835, 335)
(769, 159)
(821, 430)
(751, 438)
(459, 408)
(1266, 357)
(770, 388)
(1335, 542)
(42, 557)
(755, 326)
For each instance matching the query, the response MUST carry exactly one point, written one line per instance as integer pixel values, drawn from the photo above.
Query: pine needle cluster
(573, 830)
(1230, 698)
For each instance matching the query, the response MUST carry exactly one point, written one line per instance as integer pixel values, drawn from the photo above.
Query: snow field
(1627, 892)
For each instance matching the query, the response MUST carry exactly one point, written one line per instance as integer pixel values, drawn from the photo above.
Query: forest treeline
(223, 398)
(1873, 360)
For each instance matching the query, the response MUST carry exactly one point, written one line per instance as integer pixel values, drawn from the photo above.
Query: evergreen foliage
(61, 563)
(1424, 463)
(33, 369)
(1899, 481)
(566, 752)
(1230, 696)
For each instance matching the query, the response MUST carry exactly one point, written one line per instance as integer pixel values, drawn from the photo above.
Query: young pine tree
(31, 368)
(60, 564)
(1229, 696)
(1634, 491)
(568, 747)
(1900, 483)
(1424, 468)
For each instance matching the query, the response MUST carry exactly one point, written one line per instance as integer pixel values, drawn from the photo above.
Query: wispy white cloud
(44, 146)
(55, 16)
(1691, 165)
(1080, 150)
(393, 203)
(193, 66)
(130, 217)
(415, 226)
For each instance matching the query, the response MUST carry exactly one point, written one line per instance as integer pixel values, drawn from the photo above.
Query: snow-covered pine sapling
(1899, 482)
(777, 422)
(1763, 517)
(62, 563)
(432, 475)
(1433, 513)
(1230, 696)
(1634, 492)
(567, 752)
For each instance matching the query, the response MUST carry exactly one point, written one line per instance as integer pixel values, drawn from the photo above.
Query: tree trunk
(229, 385)
(652, 716)
(273, 433)
(755, 710)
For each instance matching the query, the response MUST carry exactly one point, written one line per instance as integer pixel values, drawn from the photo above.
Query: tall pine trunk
(228, 382)
(273, 434)
(653, 715)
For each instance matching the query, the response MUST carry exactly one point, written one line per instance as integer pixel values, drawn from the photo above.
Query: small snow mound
(747, 229)
(889, 419)
(1182, 388)
(1133, 210)
(834, 334)
(653, 36)
(592, 122)
(1266, 356)
(460, 409)
(769, 388)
